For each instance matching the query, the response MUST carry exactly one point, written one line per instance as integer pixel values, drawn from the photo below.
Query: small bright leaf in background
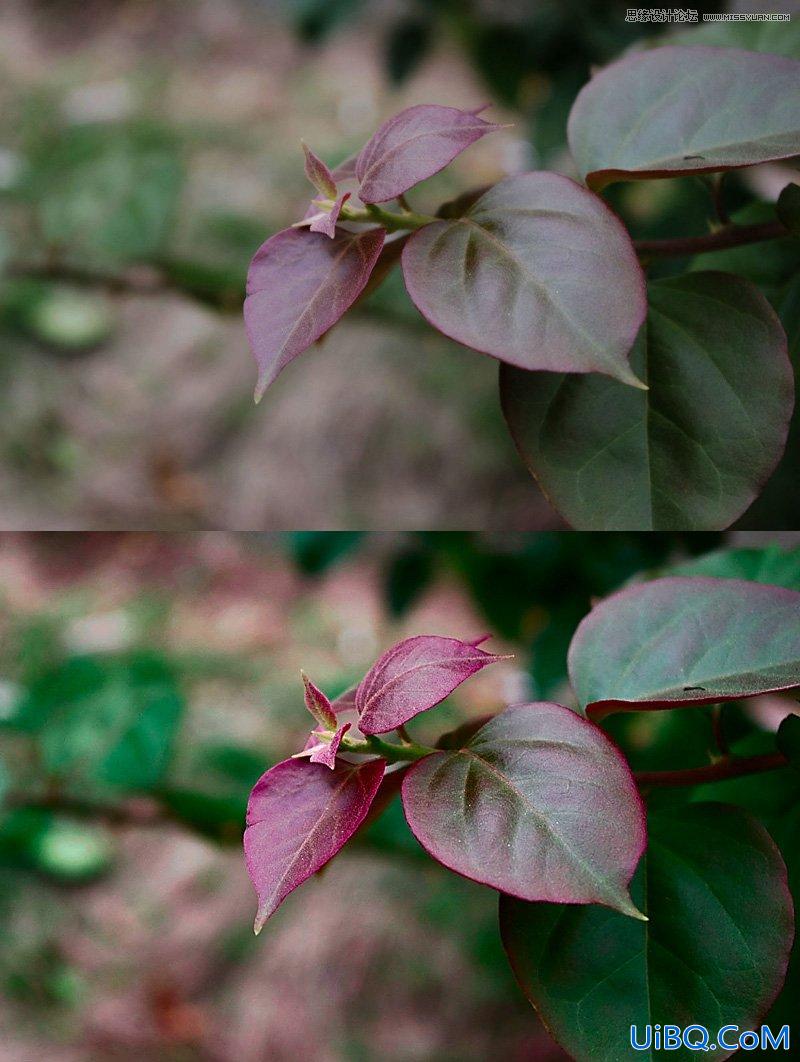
(772, 565)
(713, 953)
(299, 816)
(413, 145)
(412, 676)
(538, 803)
(683, 641)
(299, 285)
(509, 278)
(694, 450)
(678, 110)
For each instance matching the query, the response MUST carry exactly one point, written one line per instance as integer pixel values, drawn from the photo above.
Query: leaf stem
(407, 752)
(404, 220)
(713, 772)
(729, 236)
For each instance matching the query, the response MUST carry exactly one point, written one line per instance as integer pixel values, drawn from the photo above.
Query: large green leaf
(776, 38)
(683, 641)
(693, 451)
(713, 953)
(509, 278)
(105, 722)
(685, 110)
(772, 565)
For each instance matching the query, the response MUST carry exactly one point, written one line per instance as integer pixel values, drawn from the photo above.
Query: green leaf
(773, 566)
(685, 110)
(106, 193)
(683, 641)
(713, 953)
(770, 265)
(788, 208)
(693, 451)
(788, 739)
(775, 38)
(105, 722)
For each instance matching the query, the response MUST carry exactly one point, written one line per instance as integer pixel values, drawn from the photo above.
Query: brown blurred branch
(714, 772)
(732, 236)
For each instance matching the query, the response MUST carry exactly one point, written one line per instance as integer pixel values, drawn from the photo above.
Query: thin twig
(713, 772)
(731, 236)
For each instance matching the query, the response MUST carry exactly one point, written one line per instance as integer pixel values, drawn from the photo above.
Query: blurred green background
(147, 148)
(147, 680)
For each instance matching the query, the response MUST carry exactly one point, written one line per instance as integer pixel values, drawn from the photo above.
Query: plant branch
(713, 772)
(729, 236)
(403, 221)
(407, 752)
(135, 811)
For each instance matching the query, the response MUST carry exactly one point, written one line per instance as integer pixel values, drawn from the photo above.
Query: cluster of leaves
(655, 406)
(617, 905)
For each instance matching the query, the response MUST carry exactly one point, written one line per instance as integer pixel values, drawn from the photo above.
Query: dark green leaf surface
(788, 208)
(714, 950)
(689, 454)
(509, 278)
(685, 110)
(538, 803)
(105, 722)
(684, 641)
(772, 565)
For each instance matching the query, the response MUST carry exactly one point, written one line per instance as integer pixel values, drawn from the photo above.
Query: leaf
(298, 285)
(684, 641)
(298, 817)
(325, 221)
(685, 110)
(773, 37)
(512, 278)
(412, 677)
(413, 145)
(714, 950)
(318, 173)
(772, 565)
(324, 751)
(788, 739)
(106, 722)
(318, 704)
(538, 803)
(106, 193)
(693, 451)
(788, 208)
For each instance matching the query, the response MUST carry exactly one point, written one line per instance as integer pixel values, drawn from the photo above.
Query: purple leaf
(318, 704)
(298, 817)
(298, 286)
(538, 273)
(681, 641)
(325, 221)
(679, 110)
(325, 752)
(319, 174)
(414, 145)
(412, 676)
(538, 803)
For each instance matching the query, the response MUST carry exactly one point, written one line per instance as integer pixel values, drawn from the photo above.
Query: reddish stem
(733, 236)
(714, 772)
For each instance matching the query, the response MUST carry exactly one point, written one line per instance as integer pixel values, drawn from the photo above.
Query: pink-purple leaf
(325, 221)
(298, 817)
(538, 803)
(412, 146)
(325, 751)
(676, 110)
(681, 641)
(319, 174)
(412, 676)
(299, 285)
(318, 704)
(538, 272)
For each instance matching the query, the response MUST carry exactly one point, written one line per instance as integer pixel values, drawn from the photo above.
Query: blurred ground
(383, 956)
(385, 425)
